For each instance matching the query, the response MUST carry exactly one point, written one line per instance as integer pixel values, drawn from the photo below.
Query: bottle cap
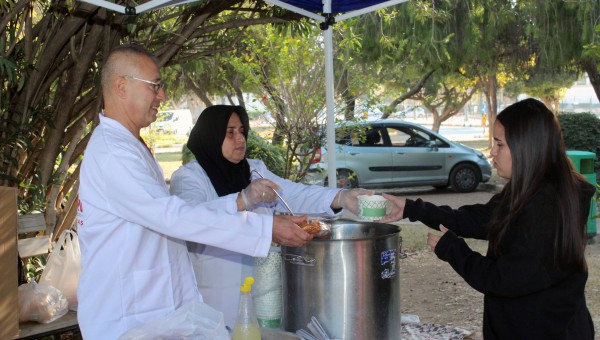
(247, 286)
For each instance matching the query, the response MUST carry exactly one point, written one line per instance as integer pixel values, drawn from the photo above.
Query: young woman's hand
(433, 239)
(396, 211)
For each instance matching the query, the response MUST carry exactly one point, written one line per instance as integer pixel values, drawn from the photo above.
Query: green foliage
(34, 266)
(256, 148)
(560, 29)
(186, 155)
(582, 132)
(549, 85)
(32, 196)
(597, 198)
(273, 155)
(160, 139)
(287, 72)
(593, 49)
(16, 138)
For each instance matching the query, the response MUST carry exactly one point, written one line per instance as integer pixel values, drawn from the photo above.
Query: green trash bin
(584, 161)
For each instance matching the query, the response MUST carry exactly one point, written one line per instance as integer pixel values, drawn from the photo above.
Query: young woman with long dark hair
(534, 273)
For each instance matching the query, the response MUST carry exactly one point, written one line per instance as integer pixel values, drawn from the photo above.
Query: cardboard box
(9, 282)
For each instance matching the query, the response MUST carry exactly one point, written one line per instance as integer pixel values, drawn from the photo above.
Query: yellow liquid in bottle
(246, 332)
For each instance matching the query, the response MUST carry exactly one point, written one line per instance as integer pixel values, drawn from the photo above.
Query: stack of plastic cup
(267, 290)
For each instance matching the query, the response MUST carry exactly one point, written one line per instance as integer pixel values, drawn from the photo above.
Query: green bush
(581, 132)
(273, 156)
(257, 148)
(186, 155)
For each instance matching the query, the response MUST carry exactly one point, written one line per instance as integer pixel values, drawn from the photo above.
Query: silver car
(388, 153)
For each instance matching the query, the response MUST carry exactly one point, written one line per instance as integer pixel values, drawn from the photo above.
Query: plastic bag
(64, 266)
(195, 320)
(41, 303)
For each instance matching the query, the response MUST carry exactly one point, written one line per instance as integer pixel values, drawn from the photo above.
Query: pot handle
(401, 254)
(299, 260)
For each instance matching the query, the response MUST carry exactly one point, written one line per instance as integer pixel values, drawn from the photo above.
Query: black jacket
(526, 296)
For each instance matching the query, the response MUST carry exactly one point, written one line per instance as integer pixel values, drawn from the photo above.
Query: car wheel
(464, 178)
(345, 179)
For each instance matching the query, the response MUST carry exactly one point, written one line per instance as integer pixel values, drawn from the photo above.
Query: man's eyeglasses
(156, 86)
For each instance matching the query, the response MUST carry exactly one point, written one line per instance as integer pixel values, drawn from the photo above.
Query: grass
(414, 239)
(479, 144)
(167, 140)
(169, 161)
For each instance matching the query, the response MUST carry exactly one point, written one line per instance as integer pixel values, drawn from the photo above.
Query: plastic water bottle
(246, 326)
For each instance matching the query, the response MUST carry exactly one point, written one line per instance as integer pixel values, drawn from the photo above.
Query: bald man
(132, 233)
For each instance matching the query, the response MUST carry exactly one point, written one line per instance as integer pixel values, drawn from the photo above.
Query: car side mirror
(432, 145)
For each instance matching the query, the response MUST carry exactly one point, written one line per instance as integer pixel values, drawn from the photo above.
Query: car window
(371, 137)
(407, 136)
(349, 135)
(417, 139)
(344, 140)
(397, 137)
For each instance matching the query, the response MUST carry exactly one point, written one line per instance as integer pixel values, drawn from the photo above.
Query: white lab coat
(135, 263)
(220, 272)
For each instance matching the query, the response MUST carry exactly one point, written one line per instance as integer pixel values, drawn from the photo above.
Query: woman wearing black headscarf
(218, 141)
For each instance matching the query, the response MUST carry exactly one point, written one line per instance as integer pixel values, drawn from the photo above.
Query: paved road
(446, 196)
(439, 197)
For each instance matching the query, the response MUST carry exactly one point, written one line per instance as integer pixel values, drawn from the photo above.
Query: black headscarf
(206, 139)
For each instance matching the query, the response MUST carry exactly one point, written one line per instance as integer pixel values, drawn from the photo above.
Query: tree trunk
(64, 110)
(240, 95)
(590, 66)
(197, 90)
(408, 94)
(437, 122)
(347, 95)
(490, 90)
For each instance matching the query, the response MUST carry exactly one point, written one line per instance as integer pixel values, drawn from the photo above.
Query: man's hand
(396, 211)
(287, 232)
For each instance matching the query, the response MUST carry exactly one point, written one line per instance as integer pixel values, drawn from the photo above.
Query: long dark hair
(535, 140)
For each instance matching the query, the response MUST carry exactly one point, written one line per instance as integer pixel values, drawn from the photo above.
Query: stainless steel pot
(349, 282)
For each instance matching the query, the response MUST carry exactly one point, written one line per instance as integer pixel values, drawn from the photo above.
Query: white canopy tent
(327, 12)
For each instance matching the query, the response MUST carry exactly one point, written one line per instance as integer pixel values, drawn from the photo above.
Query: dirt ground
(433, 291)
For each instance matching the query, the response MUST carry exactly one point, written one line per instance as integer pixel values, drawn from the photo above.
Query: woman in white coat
(218, 141)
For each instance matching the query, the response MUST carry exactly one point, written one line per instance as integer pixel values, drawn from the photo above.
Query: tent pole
(329, 98)
(329, 89)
